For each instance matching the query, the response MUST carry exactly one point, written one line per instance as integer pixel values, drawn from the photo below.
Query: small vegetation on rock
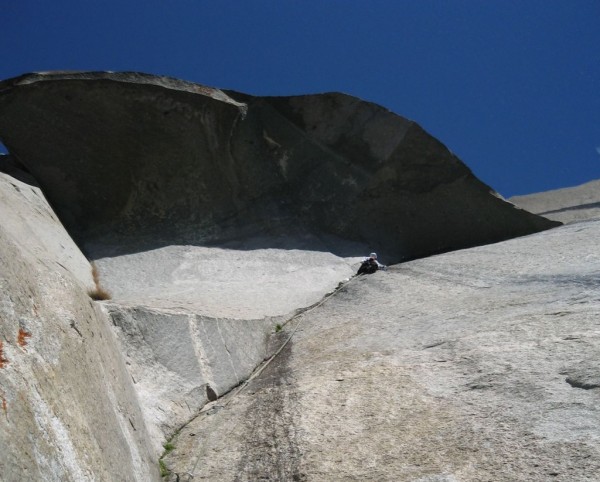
(169, 447)
(163, 468)
(3, 360)
(98, 293)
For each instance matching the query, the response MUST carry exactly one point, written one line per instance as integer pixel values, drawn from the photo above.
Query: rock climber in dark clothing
(370, 265)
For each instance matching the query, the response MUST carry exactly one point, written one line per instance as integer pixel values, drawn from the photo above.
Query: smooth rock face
(133, 162)
(192, 319)
(68, 410)
(480, 364)
(179, 361)
(564, 205)
(224, 283)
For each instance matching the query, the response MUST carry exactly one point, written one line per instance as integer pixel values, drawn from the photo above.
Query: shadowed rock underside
(132, 162)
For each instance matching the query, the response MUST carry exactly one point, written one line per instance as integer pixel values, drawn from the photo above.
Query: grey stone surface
(454, 367)
(31, 222)
(224, 283)
(565, 205)
(213, 216)
(190, 317)
(179, 361)
(68, 410)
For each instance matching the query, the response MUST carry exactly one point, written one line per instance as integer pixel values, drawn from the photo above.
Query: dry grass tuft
(98, 293)
(3, 360)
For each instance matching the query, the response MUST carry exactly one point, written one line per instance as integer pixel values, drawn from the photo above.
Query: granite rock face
(139, 162)
(68, 409)
(475, 365)
(181, 361)
(212, 217)
(565, 205)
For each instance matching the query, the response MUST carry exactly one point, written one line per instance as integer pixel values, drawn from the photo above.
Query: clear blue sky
(511, 87)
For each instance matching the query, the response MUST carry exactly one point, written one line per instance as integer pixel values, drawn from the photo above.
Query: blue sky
(511, 87)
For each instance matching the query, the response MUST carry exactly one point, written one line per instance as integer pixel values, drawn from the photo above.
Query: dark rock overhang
(136, 160)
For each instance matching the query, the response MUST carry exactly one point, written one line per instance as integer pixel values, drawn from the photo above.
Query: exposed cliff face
(212, 216)
(480, 364)
(68, 409)
(157, 161)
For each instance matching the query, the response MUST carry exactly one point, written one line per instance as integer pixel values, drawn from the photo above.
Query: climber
(370, 265)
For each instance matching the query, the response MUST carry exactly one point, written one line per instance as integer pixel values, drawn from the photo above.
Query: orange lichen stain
(3, 360)
(22, 338)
